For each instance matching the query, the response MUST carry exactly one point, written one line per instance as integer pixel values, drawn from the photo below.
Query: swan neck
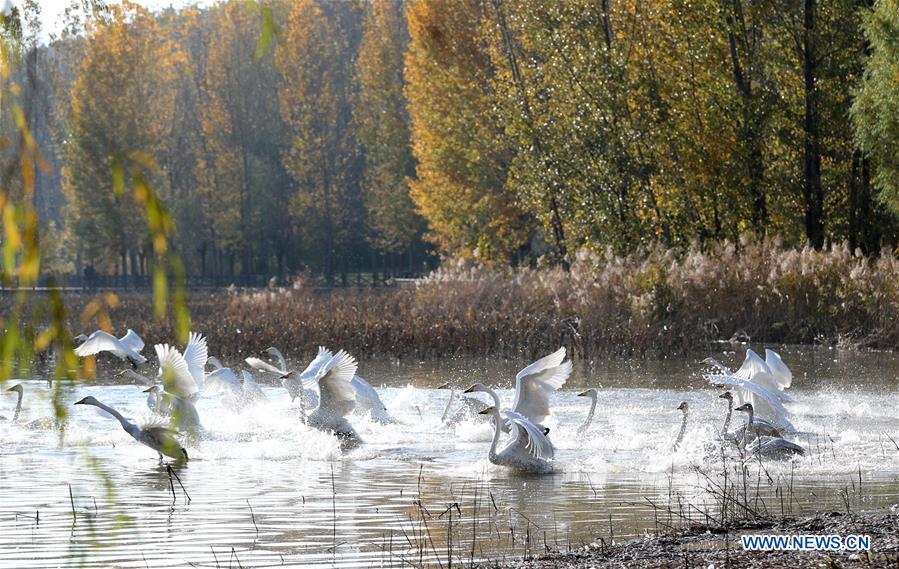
(449, 403)
(589, 418)
(495, 400)
(497, 429)
(680, 435)
(15, 417)
(126, 424)
(730, 410)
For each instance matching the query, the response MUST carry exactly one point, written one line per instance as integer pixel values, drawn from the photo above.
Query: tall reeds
(663, 301)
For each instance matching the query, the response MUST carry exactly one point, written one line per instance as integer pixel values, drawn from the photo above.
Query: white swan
(770, 447)
(527, 450)
(183, 377)
(367, 399)
(154, 435)
(41, 424)
(755, 383)
(593, 394)
(337, 396)
(743, 434)
(128, 347)
(533, 386)
(182, 412)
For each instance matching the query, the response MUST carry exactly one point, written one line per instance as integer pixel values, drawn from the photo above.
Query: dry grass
(663, 301)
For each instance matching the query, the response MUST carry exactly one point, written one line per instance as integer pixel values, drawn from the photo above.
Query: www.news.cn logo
(755, 542)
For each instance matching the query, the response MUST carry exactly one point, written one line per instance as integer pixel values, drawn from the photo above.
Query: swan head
(726, 395)
(152, 389)
(745, 407)
(89, 400)
(445, 386)
(683, 407)
(17, 388)
(80, 338)
(477, 388)
(487, 410)
(592, 393)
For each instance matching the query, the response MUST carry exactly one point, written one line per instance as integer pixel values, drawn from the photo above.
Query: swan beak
(724, 395)
(446, 386)
(584, 394)
(486, 411)
(469, 390)
(81, 402)
(148, 390)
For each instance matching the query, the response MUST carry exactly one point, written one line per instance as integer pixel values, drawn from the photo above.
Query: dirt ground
(708, 548)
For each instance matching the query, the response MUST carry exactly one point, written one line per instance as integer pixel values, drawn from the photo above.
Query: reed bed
(662, 301)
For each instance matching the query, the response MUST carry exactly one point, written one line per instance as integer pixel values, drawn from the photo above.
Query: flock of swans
(329, 391)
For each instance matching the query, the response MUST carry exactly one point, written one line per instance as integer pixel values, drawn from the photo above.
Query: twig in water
(234, 555)
(72, 501)
(253, 517)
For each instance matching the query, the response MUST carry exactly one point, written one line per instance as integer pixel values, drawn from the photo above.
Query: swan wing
(132, 340)
(535, 383)
(261, 365)
(309, 374)
(335, 377)
(769, 396)
(220, 381)
(176, 376)
(752, 365)
(779, 369)
(196, 354)
(366, 394)
(530, 436)
(99, 341)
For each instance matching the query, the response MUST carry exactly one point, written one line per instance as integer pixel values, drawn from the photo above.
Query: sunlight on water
(277, 492)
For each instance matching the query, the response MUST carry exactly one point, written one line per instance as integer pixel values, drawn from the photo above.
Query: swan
(757, 384)
(533, 386)
(770, 447)
(44, 423)
(367, 399)
(760, 427)
(527, 449)
(250, 392)
(593, 394)
(685, 408)
(337, 396)
(469, 408)
(290, 380)
(183, 378)
(182, 412)
(128, 347)
(154, 435)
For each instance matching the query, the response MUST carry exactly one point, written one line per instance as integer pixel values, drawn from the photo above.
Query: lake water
(266, 491)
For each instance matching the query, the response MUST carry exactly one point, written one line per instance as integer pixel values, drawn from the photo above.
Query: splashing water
(277, 492)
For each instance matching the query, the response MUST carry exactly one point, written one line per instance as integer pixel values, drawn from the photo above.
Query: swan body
(337, 397)
(533, 386)
(527, 449)
(128, 347)
(770, 447)
(593, 394)
(156, 436)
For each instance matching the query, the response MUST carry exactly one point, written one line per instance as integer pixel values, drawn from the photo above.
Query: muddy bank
(716, 547)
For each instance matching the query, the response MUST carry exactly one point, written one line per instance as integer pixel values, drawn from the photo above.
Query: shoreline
(703, 546)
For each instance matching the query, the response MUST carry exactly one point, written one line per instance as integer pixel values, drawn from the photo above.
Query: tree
(322, 154)
(462, 157)
(121, 106)
(383, 126)
(876, 106)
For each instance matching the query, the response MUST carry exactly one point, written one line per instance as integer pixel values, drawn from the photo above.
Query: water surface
(265, 490)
